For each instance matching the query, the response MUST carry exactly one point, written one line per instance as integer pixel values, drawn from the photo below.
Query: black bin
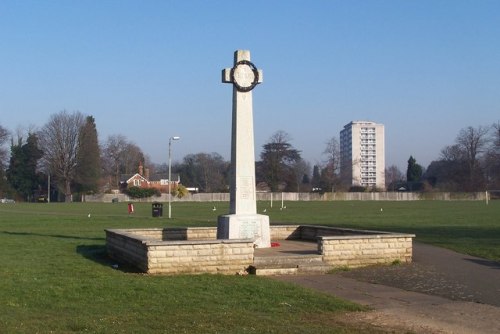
(157, 209)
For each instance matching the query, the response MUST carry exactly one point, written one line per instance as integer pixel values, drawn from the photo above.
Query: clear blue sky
(152, 69)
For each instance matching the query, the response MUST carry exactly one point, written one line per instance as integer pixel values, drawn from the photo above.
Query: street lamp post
(48, 189)
(170, 174)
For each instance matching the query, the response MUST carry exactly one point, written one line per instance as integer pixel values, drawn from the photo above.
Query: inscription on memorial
(248, 229)
(246, 190)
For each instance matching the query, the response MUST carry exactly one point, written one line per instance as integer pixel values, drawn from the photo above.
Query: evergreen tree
(21, 174)
(277, 160)
(88, 168)
(316, 178)
(414, 170)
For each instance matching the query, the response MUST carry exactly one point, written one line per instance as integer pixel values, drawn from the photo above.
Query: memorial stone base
(252, 226)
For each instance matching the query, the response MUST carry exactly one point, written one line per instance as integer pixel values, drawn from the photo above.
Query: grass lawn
(468, 227)
(55, 276)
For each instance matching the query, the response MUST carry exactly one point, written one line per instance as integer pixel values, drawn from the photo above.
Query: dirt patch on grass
(380, 322)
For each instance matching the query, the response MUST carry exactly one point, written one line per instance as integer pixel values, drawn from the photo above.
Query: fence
(278, 197)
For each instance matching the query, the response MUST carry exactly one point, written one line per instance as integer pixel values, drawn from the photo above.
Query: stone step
(304, 269)
(288, 265)
(287, 260)
(272, 271)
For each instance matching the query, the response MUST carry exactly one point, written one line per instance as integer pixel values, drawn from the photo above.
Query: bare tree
(59, 139)
(4, 136)
(120, 156)
(302, 171)
(393, 175)
(111, 156)
(448, 173)
(472, 142)
(213, 171)
(208, 172)
(451, 153)
(329, 173)
(21, 134)
(492, 159)
(332, 153)
(496, 135)
(461, 166)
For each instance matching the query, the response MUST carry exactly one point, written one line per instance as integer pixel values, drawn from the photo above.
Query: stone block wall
(127, 248)
(146, 250)
(215, 257)
(313, 232)
(285, 232)
(196, 250)
(176, 233)
(358, 251)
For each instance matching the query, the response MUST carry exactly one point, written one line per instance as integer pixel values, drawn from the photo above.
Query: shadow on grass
(98, 254)
(59, 236)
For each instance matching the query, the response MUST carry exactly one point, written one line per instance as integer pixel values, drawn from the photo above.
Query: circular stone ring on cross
(244, 76)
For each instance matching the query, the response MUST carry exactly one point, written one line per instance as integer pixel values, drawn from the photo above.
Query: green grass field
(55, 275)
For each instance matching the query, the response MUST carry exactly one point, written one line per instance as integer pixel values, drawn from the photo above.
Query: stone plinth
(188, 250)
(245, 226)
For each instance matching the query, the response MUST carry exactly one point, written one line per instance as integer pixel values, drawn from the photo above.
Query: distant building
(362, 154)
(142, 179)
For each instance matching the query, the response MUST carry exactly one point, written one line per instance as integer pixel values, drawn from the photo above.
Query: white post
(486, 195)
(271, 199)
(48, 189)
(170, 174)
(282, 200)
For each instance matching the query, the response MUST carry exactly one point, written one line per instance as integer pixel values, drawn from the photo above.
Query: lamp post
(170, 174)
(48, 189)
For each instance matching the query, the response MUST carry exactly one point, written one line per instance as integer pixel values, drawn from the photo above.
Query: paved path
(440, 292)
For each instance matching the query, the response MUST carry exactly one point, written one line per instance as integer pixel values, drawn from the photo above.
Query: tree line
(66, 158)
(471, 163)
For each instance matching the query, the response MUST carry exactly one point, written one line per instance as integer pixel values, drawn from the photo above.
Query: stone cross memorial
(243, 222)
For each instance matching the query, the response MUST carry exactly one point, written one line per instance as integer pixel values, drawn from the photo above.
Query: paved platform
(452, 292)
(441, 272)
(289, 247)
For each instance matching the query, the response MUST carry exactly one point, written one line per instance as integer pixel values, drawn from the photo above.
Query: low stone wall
(125, 246)
(359, 251)
(285, 232)
(195, 249)
(176, 233)
(146, 250)
(191, 257)
(348, 247)
(311, 232)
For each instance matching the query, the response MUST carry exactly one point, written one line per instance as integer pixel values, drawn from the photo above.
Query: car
(7, 200)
